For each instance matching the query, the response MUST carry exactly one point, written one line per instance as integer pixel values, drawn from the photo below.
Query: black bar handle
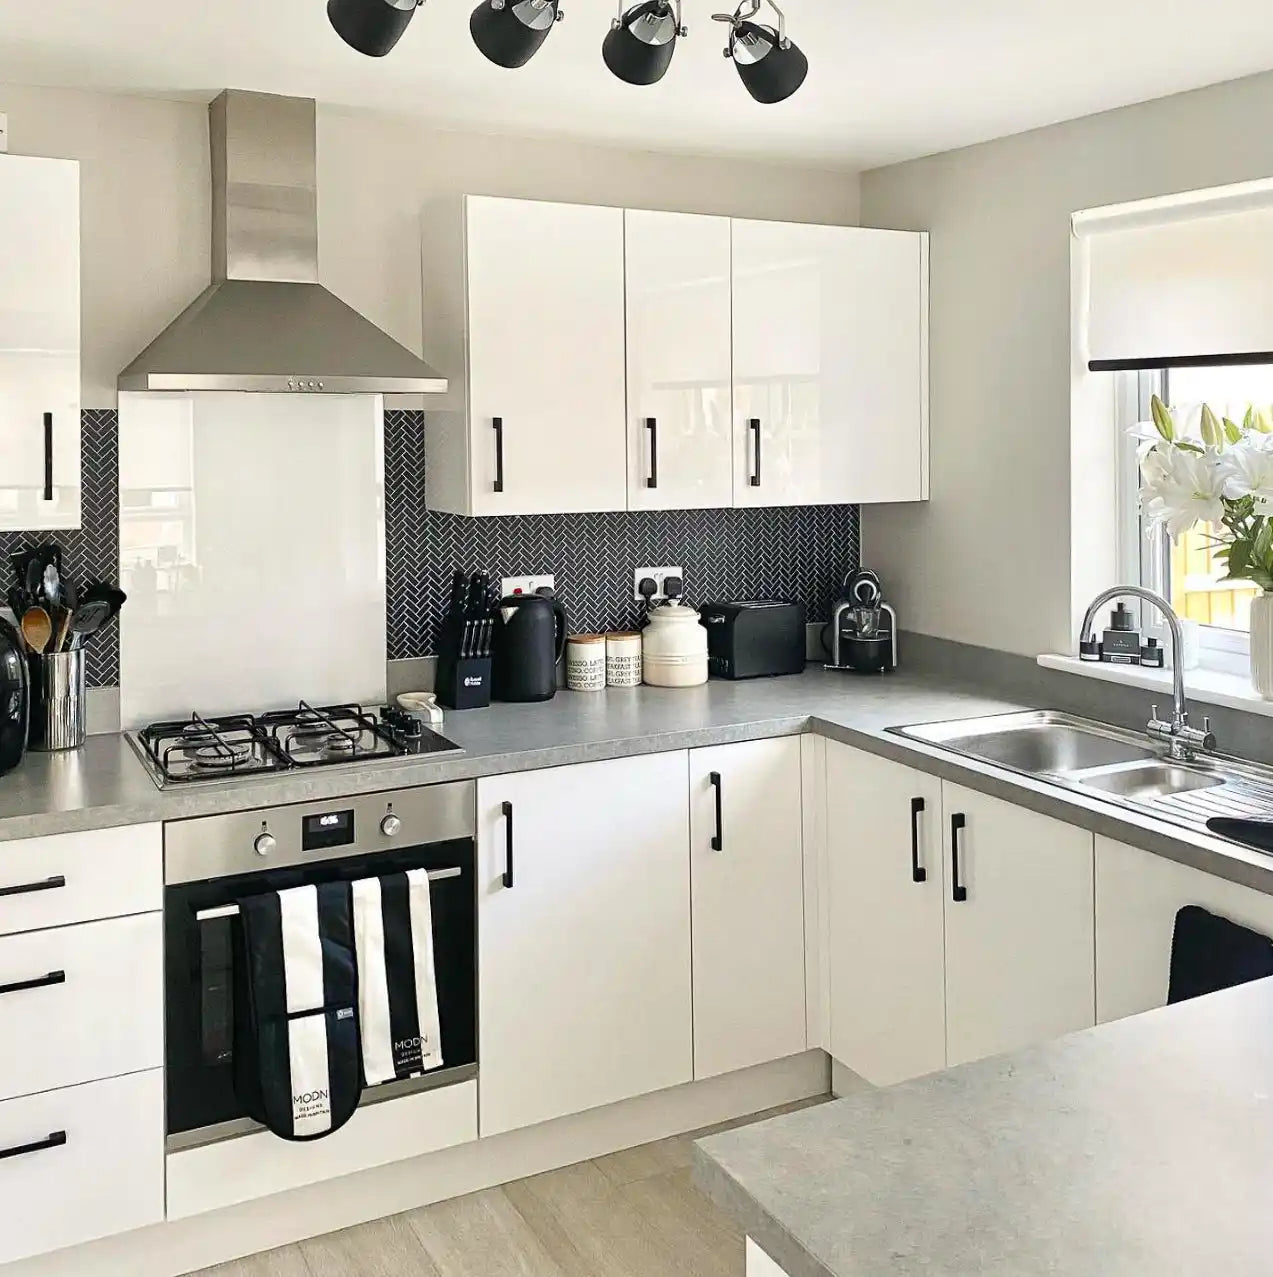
(48, 456)
(54, 977)
(652, 425)
(958, 892)
(497, 424)
(918, 872)
(56, 1140)
(507, 809)
(718, 839)
(754, 424)
(27, 888)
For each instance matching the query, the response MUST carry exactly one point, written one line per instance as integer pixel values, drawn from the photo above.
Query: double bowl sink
(1108, 763)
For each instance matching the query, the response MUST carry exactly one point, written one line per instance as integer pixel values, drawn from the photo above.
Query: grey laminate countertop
(104, 784)
(1139, 1148)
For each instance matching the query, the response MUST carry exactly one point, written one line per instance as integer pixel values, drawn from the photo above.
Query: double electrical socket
(659, 576)
(526, 584)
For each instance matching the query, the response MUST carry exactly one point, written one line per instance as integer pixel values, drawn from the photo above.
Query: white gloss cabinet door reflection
(830, 355)
(679, 361)
(39, 343)
(252, 549)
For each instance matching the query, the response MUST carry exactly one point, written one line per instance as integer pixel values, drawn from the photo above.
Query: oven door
(200, 924)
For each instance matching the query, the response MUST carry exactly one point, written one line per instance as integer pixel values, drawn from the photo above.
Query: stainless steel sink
(1109, 763)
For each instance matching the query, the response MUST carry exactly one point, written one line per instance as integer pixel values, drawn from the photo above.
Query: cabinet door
(1019, 926)
(679, 392)
(546, 357)
(39, 343)
(747, 884)
(1138, 896)
(888, 1001)
(584, 963)
(830, 353)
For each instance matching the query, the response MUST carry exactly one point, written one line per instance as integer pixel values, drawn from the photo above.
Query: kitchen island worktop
(105, 784)
(1136, 1148)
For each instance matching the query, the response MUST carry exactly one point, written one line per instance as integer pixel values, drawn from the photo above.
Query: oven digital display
(327, 829)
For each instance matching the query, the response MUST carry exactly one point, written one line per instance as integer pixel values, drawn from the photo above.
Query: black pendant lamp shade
(770, 67)
(509, 32)
(371, 26)
(638, 47)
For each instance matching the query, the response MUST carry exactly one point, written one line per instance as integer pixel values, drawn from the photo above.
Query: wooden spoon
(37, 628)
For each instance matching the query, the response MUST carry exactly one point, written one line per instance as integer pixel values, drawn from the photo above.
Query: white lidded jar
(674, 647)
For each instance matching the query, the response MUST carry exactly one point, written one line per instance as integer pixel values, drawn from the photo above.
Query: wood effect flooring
(635, 1213)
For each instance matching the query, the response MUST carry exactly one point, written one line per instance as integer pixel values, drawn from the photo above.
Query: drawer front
(80, 1003)
(105, 873)
(95, 1164)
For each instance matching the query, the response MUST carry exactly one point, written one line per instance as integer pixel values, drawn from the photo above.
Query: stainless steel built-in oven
(212, 862)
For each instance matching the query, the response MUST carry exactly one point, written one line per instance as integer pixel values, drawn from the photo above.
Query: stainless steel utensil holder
(58, 700)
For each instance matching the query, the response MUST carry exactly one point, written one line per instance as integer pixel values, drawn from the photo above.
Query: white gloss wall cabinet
(1138, 896)
(1019, 926)
(524, 314)
(747, 885)
(886, 937)
(583, 937)
(830, 341)
(39, 343)
(252, 548)
(680, 430)
(93, 1163)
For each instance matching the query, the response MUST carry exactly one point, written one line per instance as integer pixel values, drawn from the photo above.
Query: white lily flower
(1181, 488)
(1248, 471)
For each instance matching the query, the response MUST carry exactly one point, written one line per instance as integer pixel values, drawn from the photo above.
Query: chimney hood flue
(265, 322)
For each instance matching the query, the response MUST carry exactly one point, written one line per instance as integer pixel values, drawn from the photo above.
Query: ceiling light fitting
(770, 66)
(638, 48)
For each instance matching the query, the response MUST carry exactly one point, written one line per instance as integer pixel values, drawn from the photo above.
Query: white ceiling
(889, 79)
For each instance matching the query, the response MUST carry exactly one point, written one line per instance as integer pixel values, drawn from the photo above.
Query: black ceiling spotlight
(769, 65)
(371, 26)
(509, 32)
(638, 47)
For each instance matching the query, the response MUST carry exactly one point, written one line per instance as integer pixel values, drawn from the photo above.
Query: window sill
(1234, 691)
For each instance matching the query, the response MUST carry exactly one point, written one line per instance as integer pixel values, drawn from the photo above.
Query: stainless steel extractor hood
(265, 322)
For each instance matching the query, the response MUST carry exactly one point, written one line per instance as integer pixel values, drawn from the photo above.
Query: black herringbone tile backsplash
(799, 553)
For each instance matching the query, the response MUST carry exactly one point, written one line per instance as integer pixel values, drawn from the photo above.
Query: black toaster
(755, 638)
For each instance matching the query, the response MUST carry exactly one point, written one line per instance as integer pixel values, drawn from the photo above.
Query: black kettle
(14, 697)
(530, 637)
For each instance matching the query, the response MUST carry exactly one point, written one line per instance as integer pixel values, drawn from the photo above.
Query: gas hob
(201, 750)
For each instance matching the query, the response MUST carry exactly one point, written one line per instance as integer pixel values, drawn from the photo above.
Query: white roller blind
(1183, 277)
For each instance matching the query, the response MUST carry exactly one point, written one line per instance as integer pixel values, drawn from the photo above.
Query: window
(1187, 571)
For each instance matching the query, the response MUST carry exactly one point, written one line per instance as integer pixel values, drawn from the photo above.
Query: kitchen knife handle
(48, 456)
(56, 1140)
(497, 424)
(754, 424)
(652, 425)
(718, 839)
(507, 809)
(44, 982)
(28, 888)
(918, 872)
(958, 892)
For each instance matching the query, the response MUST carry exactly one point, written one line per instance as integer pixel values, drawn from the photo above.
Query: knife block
(463, 682)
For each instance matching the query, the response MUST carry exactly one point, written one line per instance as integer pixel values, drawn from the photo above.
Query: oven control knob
(265, 844)
(391, 825)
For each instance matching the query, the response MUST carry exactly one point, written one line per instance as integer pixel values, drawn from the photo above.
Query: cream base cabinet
(885, 942)
(39, 343)
(1138, 896)
(679, 361)
(1019, 926)
(747, 887)
(524, 315)
(583, 937)
(830, 339)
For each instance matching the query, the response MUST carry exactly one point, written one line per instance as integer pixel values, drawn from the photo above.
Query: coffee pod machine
(863, 627)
